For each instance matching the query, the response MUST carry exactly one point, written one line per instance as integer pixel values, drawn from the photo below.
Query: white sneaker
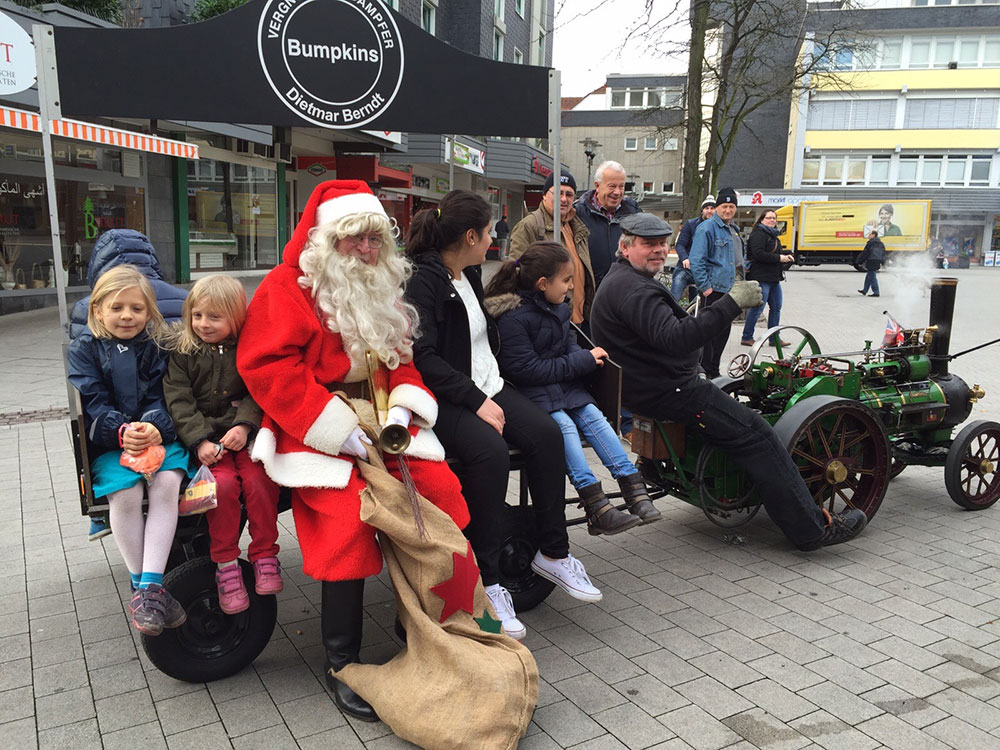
(569, 575)
(503, 605)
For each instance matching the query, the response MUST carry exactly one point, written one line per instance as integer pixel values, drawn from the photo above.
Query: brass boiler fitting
(393, 438)
(976, 392)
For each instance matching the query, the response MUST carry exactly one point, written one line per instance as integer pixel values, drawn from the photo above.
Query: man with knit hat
(537, 226)
(304, 354)
(716, 257)
(682, 271)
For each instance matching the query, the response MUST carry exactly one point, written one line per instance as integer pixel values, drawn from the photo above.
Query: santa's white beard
(363, 303)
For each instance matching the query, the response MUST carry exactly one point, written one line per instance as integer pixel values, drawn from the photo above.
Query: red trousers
(236, 473)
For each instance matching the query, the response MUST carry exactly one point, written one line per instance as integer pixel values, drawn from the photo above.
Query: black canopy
(326, 63)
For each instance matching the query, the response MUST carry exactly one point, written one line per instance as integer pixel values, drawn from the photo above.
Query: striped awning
(87, 131)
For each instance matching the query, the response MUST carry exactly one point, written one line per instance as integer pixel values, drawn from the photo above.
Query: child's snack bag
(146, 463)
(200, 494)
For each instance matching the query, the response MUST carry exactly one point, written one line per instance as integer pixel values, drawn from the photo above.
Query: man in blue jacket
(682, 271)
(716, 254)
(602, 210)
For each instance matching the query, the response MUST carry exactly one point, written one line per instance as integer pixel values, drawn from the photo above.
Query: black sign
(323, 63)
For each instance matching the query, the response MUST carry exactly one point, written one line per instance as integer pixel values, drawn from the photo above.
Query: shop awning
(87, 131)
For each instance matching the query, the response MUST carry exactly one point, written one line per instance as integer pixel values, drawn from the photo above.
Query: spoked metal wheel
(727, 494)
(801, 344)
(842, 452)
(971, 470)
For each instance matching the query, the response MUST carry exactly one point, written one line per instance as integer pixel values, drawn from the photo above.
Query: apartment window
(635, 99)
(518, 56)
(906, 170)
(643, 98)
(834, 172)
(856, 170)
(541, 47)
(668, 187)
(631, 144)
(968, 53)
(879, 172)
(920, 53)
(954, 171)
(980, 172)
(649, 144)
(944, 51)
(428, 17)
(669, 144)
(519, 7)
(846, 114)
(891, 53)
(498, 8)
(497, 45)
(991, 52)
(930, 170)
(617, 98)
(951, 112)
(647, 187)
(810, 170)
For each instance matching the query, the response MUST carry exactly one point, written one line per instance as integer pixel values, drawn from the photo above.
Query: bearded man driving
(337, 296)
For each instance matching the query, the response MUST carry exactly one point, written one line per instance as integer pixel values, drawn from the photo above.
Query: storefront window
(86, 208)
(232, 216)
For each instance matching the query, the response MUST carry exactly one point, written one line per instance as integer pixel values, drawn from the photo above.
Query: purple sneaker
(156, 610)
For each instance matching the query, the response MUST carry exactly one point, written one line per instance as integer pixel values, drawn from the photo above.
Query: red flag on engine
(893, 332)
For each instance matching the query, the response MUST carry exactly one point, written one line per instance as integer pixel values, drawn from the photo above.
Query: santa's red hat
(331, 200)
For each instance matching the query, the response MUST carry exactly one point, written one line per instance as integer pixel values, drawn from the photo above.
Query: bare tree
(742, 55)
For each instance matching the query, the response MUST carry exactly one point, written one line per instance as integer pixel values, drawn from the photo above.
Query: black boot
(340, 622)
(637, 498)
(602, 516)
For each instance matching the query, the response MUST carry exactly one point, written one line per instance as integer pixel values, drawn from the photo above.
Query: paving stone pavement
(890, 641)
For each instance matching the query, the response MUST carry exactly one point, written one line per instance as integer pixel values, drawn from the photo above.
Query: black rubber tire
(976, 442)
(896, 468)
(210, 645)
(520, 543)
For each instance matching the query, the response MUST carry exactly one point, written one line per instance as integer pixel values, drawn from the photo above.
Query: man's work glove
(747, 294)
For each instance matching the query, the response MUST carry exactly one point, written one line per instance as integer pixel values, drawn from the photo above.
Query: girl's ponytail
(435, 229)
(541, 260)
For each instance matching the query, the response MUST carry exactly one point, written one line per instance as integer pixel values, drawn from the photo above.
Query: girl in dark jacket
(118, 369)
(477, 412)
(764, 251)
(215, 418)
(540, 355)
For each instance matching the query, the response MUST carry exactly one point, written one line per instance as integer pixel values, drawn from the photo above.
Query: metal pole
(49, 109)
(451, 163)
(555, 135)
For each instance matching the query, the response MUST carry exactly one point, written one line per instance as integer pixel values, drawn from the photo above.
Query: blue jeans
(682, 278)
(871, 282)
(589, 420)
(772, 298)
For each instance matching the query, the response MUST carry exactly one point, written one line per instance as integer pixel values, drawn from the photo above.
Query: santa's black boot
(637, 498)
(602, 516)
(341, 622)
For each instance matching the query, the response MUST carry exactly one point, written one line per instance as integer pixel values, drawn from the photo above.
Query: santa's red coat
(287, 358)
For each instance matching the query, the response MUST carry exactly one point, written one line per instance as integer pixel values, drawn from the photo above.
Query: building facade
(635, 120)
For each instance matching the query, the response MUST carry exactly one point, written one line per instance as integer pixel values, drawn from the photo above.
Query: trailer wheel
(970, 470)
(520, 543)
(842, 451)
(211, 644)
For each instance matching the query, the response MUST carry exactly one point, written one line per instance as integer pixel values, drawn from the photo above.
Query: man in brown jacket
(537, 226)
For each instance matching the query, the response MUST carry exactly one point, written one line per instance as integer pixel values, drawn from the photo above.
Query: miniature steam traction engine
(852, 421)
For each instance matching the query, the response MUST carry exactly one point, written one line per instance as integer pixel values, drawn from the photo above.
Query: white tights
(145, 544)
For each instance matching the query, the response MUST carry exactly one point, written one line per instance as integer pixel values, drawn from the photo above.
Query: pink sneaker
(233, 596)
(267, 574)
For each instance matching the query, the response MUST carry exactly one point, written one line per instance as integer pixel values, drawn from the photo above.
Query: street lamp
(590, 147)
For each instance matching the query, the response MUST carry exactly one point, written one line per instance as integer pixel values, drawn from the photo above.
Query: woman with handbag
(767, 264)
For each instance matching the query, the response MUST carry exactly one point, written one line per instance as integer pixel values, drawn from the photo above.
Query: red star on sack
(459, 590)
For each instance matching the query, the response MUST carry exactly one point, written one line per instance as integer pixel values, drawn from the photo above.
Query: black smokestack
(941, 314)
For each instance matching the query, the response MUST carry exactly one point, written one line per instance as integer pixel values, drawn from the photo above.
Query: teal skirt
(110, 476)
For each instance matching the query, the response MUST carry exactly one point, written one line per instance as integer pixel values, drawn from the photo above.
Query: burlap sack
(455, 684)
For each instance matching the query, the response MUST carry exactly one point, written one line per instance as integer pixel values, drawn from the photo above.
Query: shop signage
(317, 166)
(441, 185)
(468, 158)
(989, 258)
(335, 63)
(327, 63)
(758, 198)
(17, 57)
(421, 183)
(537, 167)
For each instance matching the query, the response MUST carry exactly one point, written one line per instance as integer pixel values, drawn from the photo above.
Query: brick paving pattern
(890, 641)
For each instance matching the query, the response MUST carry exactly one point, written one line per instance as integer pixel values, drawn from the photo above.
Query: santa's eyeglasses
(374, 241)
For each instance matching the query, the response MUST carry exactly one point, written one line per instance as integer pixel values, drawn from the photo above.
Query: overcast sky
(597, 37)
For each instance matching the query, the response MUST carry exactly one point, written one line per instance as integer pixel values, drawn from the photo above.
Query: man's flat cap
(646, 225)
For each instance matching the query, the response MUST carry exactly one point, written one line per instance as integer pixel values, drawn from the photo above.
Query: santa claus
(302, 353)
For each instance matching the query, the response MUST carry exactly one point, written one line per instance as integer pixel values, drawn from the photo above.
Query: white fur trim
(332, 427)
(346, 205)
(425, 444)
(417, 400)
(300, 469)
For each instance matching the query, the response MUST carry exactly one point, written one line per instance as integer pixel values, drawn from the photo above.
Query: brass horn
(394, 438)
